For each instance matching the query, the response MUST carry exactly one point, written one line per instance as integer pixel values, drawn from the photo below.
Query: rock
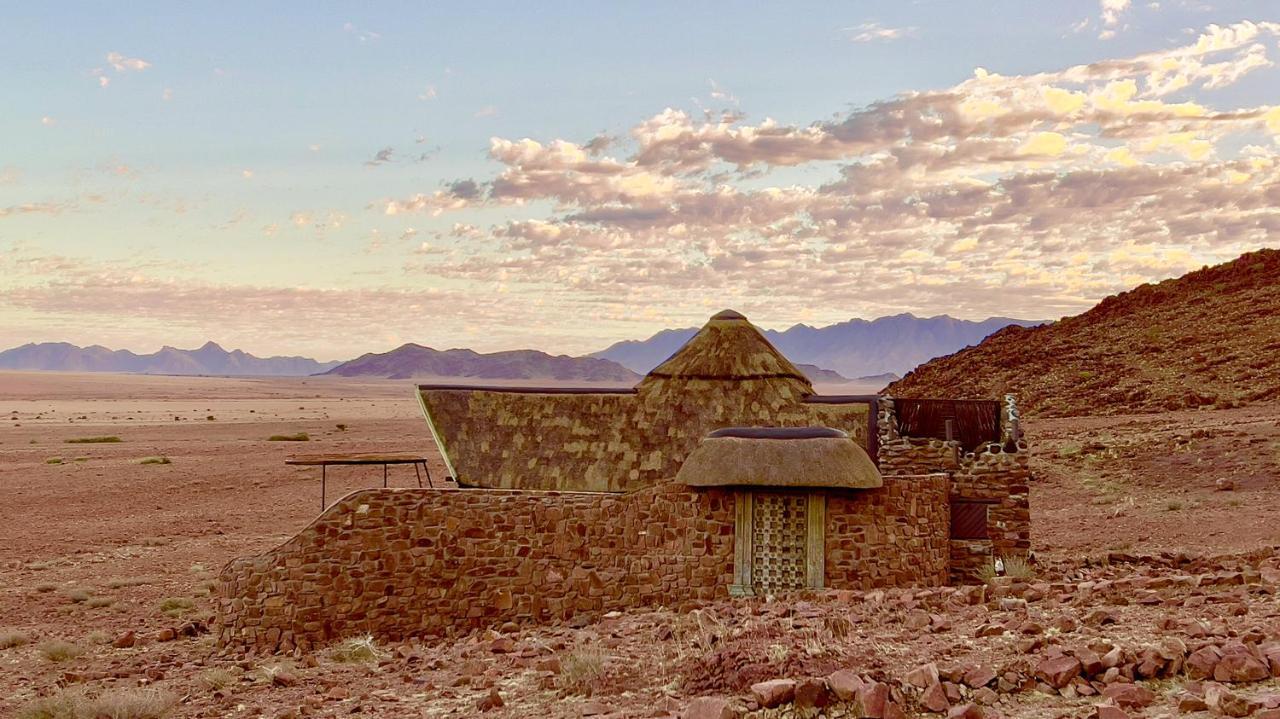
(1057, 672)
(592, 708)
(338, 692)
(1188, 703)
(710, 708)
(774, 692)
(844, 684)
(490, 701)
(979, 676)
(1202, 662)
(1129, 696)
(986, 696)
(1224, 484)
(1224, 701)
(873, 697)
(812, 694)
(923, 676)
(126, 640)
(284, 678)
(966, 711)
(1109, 711)
(166, 635)
(935, 699)
(1099, 617)
(1239, 668)
(917, 620)
(502, 645)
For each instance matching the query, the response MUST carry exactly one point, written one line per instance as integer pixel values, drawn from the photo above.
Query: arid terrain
(101, 549)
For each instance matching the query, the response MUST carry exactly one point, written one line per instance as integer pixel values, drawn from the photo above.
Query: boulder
(711, 708)
(966, 711)
(490, 701)
(978, 676)
(844, 684)
(774, 692)
(1057, 672)
(1202, 662)
(935, 699)
(812, 694)
(873, 696)
(923, 676)
(1239, 668)
(1129, 696)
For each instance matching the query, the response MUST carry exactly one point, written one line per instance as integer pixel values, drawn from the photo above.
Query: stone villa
(722, 473)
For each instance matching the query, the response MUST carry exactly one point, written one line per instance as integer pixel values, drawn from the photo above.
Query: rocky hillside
(210, 359)
(1211, 337)
(413, 361)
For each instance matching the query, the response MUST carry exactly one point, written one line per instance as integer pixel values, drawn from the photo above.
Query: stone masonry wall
(895, 536)
(409, 562)
(998, 474)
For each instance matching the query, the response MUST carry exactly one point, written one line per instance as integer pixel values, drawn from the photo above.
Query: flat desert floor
(98, 544)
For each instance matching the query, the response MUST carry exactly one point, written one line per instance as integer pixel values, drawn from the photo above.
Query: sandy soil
(97, 544)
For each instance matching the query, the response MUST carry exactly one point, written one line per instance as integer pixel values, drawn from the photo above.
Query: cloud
(33, 208)
(1013, 177)
(429, 93)
(48, 121)
(486, 111)
(382, 157)
(875, 32)
(1112, 10)
(120, 63)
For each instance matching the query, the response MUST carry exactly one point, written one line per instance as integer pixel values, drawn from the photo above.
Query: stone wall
(999, 474)
(396, 563)
(895, 536)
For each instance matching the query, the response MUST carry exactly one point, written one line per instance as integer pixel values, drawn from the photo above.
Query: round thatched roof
(756, 459)
(728, 347)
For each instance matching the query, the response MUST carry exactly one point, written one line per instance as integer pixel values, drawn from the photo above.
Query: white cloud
(875, 32)
(120, 63)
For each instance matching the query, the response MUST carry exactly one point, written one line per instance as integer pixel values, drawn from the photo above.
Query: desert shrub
(215, 678)
(1173, 505)
(176, 606)
(210, 418)
(57, 650)
(99, 602)
(356, 650)
(45, 587)
(77, 703)
(78, 594)
(580, 669)
(93, 440)
(154, 460)
(1018, 568)
(119, 582)
(341, 427)
(154, 541)
(11, 638)
(299, 437)
(53, 460)
(98, 637)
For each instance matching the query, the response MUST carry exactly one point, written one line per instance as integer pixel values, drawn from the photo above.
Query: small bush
(176, 606)
(77, 703)
(99, 602)
(216, 678)
(154, 460)
(45, 587)
(78, 595)
(56, 650)
(53, 460)
(13, 638)
(154, 541)
(98, 638)
(93, 440)
(356, 650)
(1018, 568)
(1173, 506)
(341, 427)
(119, 582)
(299, 437)
(580, 669)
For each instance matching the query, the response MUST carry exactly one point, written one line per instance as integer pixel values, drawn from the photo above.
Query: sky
(329, 179)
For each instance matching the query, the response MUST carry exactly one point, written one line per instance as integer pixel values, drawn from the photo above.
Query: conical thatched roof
(728, 347)
(776, 457)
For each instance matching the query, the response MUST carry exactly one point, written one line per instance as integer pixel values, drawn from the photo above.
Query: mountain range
(856, 348)
(414, 361)
(1210, 337)
(211, 359)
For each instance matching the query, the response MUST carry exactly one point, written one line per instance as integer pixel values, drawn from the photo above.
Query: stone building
(721, 473)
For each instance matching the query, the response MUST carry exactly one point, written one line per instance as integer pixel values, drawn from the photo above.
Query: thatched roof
(810, 457)
(728, 347)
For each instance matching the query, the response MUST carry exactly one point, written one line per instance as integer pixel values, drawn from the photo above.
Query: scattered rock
(774, 692)
(711, 708)
(490, 701)
(126, 640)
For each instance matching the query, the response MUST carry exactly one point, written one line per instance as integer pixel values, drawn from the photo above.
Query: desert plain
(1167, 523)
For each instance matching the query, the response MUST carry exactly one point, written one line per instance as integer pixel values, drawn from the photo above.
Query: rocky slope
(856, 348)
(411, 361)
(1211, 337)
(211, 359)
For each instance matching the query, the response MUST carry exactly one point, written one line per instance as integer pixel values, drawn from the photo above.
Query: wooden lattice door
(779, 527)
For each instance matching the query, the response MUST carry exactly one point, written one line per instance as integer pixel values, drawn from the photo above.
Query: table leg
(417, 474)
(323, 482)
(427, 468)
(384, 476)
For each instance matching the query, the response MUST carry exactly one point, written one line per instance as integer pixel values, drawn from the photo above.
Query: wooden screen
(779, 525)
(969, 520)
(973, 421)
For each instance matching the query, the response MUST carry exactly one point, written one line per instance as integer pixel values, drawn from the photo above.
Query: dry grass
(11, 638)
(53, 460)
(119, 582)
(356, 650)
(176, 606)
(154, 460)
(45, 587)
(216, 678)
(78, 594)
(57, 650)
(580, 670)
(99, 602)
(93, 440)
(299, 437)
(78, 703)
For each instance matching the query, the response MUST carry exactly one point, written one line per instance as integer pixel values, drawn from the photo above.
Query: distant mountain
(210, 359)
(857, 348)
(415, 361)
(1210, 337)
(817, 374)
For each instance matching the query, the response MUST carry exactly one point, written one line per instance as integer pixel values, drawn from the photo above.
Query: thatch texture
(769, 462)
(611, 441)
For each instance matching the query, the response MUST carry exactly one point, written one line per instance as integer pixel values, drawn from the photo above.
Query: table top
(390, 458)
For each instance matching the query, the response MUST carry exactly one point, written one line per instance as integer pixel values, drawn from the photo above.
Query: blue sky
(329, 179)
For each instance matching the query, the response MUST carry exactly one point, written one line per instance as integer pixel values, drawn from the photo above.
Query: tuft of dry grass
(45, 587)
(119, 582)
(154, 460)
(580, 670)
(176, 606)
(1018, 568)
(11, 638)
(356, 650)
(57, 650)
(93, 440)
(99, 602)
(78, 594)
(53, 460)
(78, 703)
(299, 437)
(215, 678)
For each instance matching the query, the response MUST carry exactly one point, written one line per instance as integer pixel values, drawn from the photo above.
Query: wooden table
(324, 461)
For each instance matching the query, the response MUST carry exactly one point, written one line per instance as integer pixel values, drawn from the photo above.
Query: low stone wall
(396, 563)
(895, 536)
